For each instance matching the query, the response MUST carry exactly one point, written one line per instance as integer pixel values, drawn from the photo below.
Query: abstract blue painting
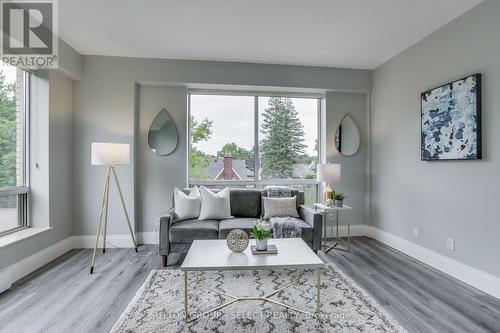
(451, 121)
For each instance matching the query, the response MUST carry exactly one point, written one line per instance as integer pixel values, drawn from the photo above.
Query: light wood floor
(63, 297)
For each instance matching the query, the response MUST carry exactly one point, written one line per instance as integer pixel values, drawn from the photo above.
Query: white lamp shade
(329, 173)
(104, 153)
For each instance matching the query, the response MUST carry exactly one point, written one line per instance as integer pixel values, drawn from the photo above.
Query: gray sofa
(246, 207)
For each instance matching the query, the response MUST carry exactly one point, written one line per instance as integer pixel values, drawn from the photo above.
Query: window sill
(15, 237)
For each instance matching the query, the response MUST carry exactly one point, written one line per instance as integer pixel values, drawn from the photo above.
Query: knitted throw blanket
(278, 191)
(283, 226)
(286, 227)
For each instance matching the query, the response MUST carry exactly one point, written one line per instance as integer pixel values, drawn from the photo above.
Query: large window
(13, 149)
(254, 141)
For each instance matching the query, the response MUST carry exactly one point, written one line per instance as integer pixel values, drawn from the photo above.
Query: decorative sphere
(237, 240)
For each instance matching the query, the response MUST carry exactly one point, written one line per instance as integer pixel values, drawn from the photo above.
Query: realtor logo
(29, 33)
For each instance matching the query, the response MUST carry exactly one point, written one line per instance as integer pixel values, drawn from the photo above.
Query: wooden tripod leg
(124, 208)
(106, 187)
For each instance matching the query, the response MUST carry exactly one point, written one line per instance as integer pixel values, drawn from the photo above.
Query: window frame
(23, 191)
(256, 182)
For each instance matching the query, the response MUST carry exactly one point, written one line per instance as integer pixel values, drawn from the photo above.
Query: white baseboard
(120, 241)
(27, 265)
(356, 230)
(32, 263)
(88, 241)
(5, 280)
(148, 237)
(151, 237)
(481, 280)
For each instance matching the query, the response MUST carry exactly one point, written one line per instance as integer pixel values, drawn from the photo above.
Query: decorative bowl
(237, 240)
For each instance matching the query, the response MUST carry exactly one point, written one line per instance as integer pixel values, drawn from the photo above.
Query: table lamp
(110, 155)
(328, 173)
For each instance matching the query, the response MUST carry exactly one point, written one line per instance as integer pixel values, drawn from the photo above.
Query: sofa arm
(165, 223)
(314, 218)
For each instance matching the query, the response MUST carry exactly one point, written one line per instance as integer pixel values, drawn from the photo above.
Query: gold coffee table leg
(265, 298)
(349, 232)
(318, 288)
(186, 315)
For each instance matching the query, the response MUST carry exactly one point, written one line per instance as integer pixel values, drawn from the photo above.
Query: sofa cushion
(188, 230)
(243, 223)
(245, 202)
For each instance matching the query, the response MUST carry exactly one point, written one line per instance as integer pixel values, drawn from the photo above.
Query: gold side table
(335, 210)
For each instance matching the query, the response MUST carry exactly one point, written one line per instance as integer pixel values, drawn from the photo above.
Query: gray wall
(456, 199)
(103, 103)
(60, 151)
(107, 108)
(353, 174)
(156, 176)
(70, 61)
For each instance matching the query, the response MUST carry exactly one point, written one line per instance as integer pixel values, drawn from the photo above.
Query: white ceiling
(334, 33)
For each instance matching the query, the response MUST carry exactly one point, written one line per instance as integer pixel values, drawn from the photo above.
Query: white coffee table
(214, 255)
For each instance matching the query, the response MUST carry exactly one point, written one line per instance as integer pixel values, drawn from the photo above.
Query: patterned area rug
(345, 307)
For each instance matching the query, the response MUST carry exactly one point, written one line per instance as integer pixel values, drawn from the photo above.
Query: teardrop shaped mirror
(162, 134)
(347, 137)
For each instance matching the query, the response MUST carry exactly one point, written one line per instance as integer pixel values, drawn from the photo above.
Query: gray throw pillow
(280, 207)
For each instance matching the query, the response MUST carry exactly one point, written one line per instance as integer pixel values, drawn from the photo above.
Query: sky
(9, 72)
(233, 119)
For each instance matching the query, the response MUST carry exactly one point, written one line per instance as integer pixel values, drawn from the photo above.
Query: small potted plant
(339, 199)
(262, 231)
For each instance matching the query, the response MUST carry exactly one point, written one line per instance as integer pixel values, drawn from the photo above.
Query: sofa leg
(164, 260)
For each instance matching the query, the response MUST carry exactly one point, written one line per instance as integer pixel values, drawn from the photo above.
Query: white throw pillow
(274, 207)
(215, 206)
(187, 206)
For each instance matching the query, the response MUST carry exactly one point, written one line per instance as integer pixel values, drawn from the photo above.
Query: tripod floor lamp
(110, 155)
